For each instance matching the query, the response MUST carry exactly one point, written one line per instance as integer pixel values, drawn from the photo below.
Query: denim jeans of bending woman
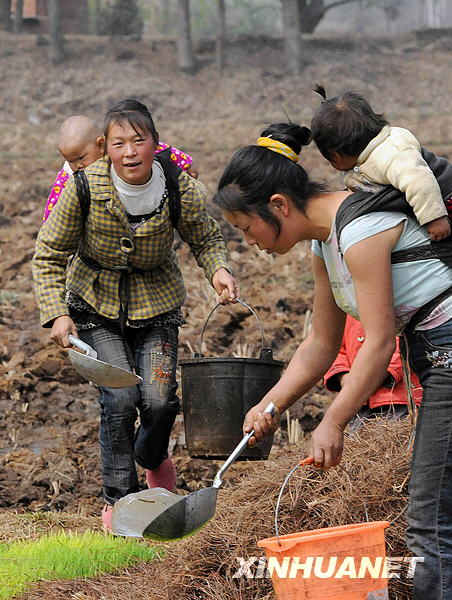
(152, 350)
(429, 533)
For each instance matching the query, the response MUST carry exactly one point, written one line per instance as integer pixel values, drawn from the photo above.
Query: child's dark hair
(344, 124)
(134, 112)
(255, 173)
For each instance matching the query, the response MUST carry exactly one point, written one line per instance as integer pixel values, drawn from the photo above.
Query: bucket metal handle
(306, 461)
(246, 306)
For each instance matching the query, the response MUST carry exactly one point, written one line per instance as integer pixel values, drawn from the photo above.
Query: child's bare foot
(438, 229)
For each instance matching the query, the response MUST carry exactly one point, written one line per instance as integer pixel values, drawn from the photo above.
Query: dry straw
(369, 485)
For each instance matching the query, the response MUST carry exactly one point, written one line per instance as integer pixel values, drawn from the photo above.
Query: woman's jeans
(152, 352)
(429, 533)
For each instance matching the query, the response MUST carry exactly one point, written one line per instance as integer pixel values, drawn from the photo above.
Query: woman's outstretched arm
(311, 359)
(369, 262)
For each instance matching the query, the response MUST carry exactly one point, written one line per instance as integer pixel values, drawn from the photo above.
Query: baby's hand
(438, 229)
(193, 171)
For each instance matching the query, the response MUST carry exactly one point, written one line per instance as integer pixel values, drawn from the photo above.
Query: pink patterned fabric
(181, 159)
(57, 187)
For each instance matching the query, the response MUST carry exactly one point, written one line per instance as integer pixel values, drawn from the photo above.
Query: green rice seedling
(66, 556)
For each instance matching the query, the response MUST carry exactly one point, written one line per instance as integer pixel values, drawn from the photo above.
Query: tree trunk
(95, 16)
(56, 53)
(184, 44)
(165, 15)
(292, 35)
(18, 15)
(433, 13)
(5, 15)
(221, 36)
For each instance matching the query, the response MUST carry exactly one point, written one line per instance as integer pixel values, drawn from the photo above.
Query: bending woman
(123, 289)
(269, 197)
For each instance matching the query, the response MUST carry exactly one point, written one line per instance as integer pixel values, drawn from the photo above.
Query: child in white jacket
(355, 139)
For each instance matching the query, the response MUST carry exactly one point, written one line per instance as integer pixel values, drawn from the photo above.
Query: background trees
(5, 15)
(184, 44)
(291, 18)
(185, 22)
(18, 13)
(56, 50)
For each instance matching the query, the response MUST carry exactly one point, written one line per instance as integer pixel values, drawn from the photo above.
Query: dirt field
(48, 415)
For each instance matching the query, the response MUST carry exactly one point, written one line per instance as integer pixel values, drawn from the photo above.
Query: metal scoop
(163, 516)
(97, 371)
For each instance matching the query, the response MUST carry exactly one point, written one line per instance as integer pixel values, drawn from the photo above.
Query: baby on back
(81, 142)
(355, 139)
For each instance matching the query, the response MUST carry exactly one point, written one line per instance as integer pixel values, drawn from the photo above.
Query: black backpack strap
(362, 203)
(442, 170)
(171, 172)
(441, 250)
(83, 193)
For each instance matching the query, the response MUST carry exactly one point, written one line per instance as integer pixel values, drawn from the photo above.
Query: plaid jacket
(156, 285)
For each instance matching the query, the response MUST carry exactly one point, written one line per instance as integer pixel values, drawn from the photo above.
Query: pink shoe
(106, 517)
(164, 476)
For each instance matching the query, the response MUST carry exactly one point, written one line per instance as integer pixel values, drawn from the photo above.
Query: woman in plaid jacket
(123, 290)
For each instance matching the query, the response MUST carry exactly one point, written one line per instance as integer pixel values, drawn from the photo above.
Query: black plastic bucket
(216, 395)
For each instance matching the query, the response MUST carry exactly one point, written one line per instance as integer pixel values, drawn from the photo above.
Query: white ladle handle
(86, 348)
(270, 408)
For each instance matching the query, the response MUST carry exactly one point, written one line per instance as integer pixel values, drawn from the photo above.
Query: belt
(96, 266)
(124, 271)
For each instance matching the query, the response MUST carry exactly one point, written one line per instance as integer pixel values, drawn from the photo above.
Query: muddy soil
(48, 415)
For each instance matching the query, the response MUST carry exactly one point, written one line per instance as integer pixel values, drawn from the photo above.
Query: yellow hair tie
(278, 147)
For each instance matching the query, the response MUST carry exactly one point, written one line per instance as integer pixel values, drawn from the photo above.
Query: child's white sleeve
(409, 173)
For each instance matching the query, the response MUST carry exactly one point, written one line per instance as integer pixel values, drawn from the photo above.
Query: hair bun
(293, 135)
